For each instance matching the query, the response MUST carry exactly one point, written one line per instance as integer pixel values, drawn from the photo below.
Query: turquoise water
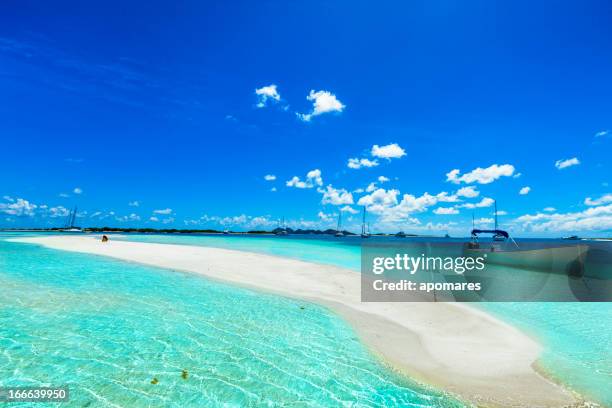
(577, 336)
(108, 328)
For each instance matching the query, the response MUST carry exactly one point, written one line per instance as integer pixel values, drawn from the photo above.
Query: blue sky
(157, 105)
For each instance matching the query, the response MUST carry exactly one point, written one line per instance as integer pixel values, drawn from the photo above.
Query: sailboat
(339, 232)
(70, 221)
(282, 228)
(365, 228)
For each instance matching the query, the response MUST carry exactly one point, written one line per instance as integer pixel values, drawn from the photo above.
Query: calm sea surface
(577, 336)
(121, 334)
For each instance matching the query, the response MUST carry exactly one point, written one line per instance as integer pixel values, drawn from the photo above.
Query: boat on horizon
(568, 259)
(365, 228)
(339, 232)
(70, 221)
(282, 228)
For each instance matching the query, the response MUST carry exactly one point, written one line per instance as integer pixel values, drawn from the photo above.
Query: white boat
(365, 228)
(339, 232)
(70, 221)
(566, 259)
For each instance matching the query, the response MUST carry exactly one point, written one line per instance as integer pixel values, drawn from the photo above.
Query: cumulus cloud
(383, 179)
(154, 219)
(313, 178)
(164, 211)
(266, 94)
(355, 163)
(604, 199)
(18, 207)
(385, 204)
(485, 202)
(468, 192)
(550, 209)
(390, 151)
(324, 217)
(592, 219)
(562, 164)
(446, 211)
(77, 190)
(483, 221)
(480, 175)
(447, 198)
(525, 190)
(269, 177)
(336, 196)
(602, 133)
(322, 102)
(134, 203)
(349, 209)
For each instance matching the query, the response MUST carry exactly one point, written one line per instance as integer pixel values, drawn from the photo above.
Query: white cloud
(96, 214)
(550, 209)
(336, 196)
(446, 211)
(58, 211)
(77, 190)
(349, 209)
(63, 195)
(379, 198)
(468, 192)
(385, 203)
(562, 164)
(154, 219)
(484, 221)
(19, 207)
(265, 94)
(371, 187)
(383, 179)
(591, 219)
(485, 202)
(322, 102)
(168, 220)
(446, 198)
(269, 177)
(324, 217)
(313, 177)
(355, 163)
(602, 133)
(390, 151)
(134, 203)
(480, 175)
(165, 211)
(9, 198)
(604, 199)
(131, 217)
(273, 189)
(525, 190)
(501, 212)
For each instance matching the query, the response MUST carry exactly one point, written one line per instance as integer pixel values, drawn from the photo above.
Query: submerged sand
(448, 345)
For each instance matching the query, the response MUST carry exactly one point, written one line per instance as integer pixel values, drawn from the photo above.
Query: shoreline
(450, 346)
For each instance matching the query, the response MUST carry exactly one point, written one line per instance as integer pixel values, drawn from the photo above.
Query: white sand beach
(448, 345)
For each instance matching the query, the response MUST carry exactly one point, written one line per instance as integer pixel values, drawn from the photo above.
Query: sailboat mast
(72, 221)
(363, 222)
(495, 214)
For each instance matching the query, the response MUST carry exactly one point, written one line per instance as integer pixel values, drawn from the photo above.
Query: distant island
(276, 231)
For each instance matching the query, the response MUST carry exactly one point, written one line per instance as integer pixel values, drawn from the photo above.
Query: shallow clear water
(108, 328)
(577, 336)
